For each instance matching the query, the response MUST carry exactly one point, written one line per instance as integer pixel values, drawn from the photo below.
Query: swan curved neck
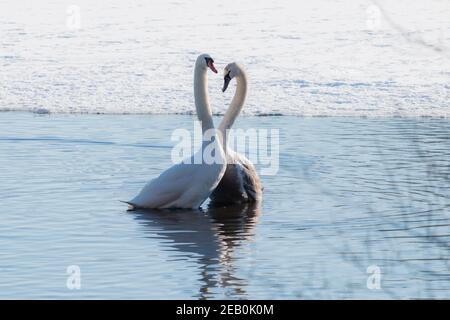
(236, 104)
(201, 98)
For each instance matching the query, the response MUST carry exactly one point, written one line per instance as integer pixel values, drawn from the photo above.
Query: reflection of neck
(201, 98)
(235, 106)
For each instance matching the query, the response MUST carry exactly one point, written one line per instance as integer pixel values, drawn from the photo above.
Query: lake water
(350, 194)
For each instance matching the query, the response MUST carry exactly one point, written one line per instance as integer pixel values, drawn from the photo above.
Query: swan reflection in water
(209, 237)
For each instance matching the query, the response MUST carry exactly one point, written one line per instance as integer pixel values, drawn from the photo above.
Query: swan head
(231, 71)
(205, 61)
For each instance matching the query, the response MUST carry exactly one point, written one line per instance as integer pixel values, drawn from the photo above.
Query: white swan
(188, 185)
(240, 182)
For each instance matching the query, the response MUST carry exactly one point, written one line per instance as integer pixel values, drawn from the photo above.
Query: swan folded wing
(166, 188)
(250, 179)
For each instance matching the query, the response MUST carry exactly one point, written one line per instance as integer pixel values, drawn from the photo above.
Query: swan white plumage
(240, 183)
(187, 184)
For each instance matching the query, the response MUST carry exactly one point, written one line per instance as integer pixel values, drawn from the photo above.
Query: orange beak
(211, 66)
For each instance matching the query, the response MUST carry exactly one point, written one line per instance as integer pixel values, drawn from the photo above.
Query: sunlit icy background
(346, 57)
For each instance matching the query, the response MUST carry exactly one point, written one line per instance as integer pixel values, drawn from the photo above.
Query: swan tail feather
(131, 206)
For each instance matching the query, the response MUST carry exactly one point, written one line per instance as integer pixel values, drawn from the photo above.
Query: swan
(187, 185)
(240, 183)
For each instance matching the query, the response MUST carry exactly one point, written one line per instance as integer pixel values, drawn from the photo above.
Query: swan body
(240, 183)
(181, 186)
(188, 184)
